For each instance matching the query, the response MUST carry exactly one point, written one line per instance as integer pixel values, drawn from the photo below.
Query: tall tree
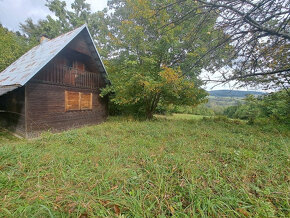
(12, 46)
(149, 61)
(65, 19)
(258, 31)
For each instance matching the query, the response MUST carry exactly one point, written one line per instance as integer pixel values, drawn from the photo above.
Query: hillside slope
(167, 167)
(233, 93)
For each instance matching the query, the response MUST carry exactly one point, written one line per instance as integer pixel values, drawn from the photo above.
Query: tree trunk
(149, 115)
(152, 105)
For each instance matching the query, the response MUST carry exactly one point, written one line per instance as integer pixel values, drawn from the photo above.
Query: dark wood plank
(46, 108)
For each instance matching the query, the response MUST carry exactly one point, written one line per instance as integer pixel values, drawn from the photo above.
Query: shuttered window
(86, 101)
(78, 101)
(72, 101)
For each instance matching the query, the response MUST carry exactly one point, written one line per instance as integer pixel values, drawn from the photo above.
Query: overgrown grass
(179, 167)
(176, 116)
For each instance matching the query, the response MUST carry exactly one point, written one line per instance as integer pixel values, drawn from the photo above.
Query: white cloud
(14, 12)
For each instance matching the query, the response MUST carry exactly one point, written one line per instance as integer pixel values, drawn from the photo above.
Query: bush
(274, 106)
(230, 111)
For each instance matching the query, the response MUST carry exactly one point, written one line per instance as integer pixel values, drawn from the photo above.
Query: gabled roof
(24, 68)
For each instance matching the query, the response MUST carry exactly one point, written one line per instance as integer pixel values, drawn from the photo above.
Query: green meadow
(180, 166)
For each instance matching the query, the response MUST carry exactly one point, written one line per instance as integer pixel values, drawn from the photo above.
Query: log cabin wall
(46, 109)
(12, 107)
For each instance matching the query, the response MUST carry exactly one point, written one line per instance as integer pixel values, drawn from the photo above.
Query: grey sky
(14, 12)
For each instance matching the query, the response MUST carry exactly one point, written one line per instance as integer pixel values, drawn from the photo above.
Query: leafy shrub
(274, 106)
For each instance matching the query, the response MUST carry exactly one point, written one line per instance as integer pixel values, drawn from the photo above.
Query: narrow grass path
(180, 167)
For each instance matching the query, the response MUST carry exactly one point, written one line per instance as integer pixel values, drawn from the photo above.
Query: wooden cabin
(55, 86)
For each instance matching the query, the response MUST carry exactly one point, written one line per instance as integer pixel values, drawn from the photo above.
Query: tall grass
(180, 167)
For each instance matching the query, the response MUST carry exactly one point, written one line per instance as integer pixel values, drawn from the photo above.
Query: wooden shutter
(86, 101)
(72, 101)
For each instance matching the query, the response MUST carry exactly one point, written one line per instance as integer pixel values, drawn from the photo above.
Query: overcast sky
(14, 12)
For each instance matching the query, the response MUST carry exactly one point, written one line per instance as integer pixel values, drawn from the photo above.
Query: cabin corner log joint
(54, 86)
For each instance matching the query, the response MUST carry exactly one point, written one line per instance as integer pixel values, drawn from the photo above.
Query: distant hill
(233, 93)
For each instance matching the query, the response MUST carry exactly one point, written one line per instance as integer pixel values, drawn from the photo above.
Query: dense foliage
(275, 106)
(12, 46)
(145, 89)
(201, 109)
(149, 61)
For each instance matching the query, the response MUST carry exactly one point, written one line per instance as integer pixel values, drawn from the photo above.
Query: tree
(149, 61)
(274, 106)
(258, 32)
(12, 46)
(277, 106)
(145, 88)
(65, 21)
